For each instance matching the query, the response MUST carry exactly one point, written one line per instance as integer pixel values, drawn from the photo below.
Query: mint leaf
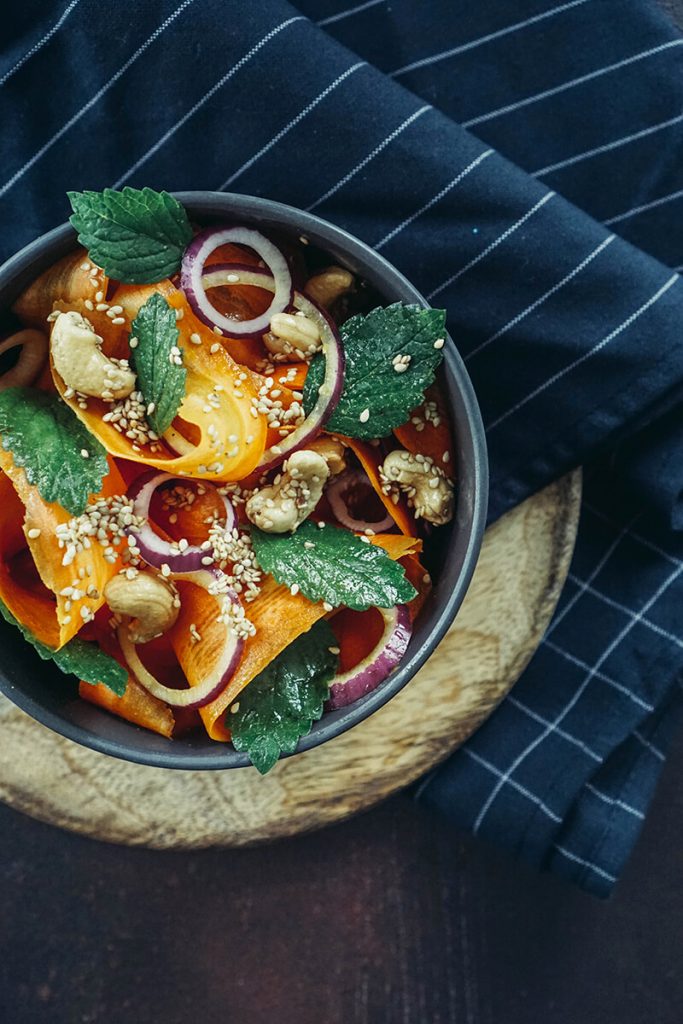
(279, 706)
(375, 398)
(85, 660)
(339, 568)
(160, 379)
(137, 236)
(46, 440)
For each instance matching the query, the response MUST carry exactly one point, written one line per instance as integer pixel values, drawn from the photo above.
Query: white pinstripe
(586, 587)
(352, 10)
(432, 202)
(584, 863)
(515, 785)
(598, 675)
(644, 207)
(426, 61)
(614, 802)
(560, 732)
(93, 99)
(542, 298)
(40, 44)
(635, 536)
(579, 692)
(537, 97)
(205, 98)
(493, 245)
(371, 156)
(586, 355)
(292, 124)
(608, 146)
(598, 568)
(649, 746)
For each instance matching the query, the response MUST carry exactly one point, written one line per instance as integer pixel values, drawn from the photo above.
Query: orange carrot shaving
(370, 459)
(70, 280)
(433, 441)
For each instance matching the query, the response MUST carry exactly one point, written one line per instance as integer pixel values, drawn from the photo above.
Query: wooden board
(524, 561)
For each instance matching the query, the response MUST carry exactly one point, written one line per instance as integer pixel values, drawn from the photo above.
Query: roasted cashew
(332, 451)
(148, 600)
(429, 491)
(80, 362)
(291, 498)
(292, 335)
(33, 346)
(329, 285)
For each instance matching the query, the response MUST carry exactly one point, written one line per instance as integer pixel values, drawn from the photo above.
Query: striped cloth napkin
(522, 164)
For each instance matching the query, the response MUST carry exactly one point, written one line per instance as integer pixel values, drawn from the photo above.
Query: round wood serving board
(524, 560)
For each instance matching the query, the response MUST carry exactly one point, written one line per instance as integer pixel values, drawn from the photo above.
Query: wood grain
(524, 561)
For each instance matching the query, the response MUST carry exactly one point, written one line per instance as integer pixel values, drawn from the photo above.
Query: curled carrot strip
(371, 460)
(429, 439)
(68, 280)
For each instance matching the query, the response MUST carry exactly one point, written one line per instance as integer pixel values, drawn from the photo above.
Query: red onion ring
(335, 495)
(214, 684)
(154, 549)
(192, 283)
(333, 381)
(379, 663)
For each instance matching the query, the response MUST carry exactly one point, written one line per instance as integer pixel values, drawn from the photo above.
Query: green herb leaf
(84, 660)
(137, 236)
(339, 568)
(375, 398)
(279, 706)
(160, 379)
(47, 440)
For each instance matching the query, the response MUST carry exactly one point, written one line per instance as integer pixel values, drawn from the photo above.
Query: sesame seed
(439, 343)
(34, 533)
(294, 589)
(235, 708)
(118, 320)
(133, 342)
(195, 339)
(99, 296)
(215, 348)
(446, 457)
(327, 606)
(217, 330)
(364, 416)
(88, 304)
(334, 650)
(85, 453)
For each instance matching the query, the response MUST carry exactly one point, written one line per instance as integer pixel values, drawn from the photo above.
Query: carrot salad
(218, 466)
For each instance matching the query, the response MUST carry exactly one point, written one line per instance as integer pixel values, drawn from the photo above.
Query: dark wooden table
(393, 918)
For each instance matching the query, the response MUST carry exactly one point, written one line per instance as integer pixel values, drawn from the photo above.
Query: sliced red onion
(333, 381)
(374, 669)
(214, 684)
(335, 494)
(154, 549)
(192, 283)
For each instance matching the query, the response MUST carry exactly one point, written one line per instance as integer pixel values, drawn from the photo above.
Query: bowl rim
(305, 223)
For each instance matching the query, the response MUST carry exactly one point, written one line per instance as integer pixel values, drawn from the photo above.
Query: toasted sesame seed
(334, 650)
(85, 453)
(327, 606)
(195, 339)
(118, 320)
(34, 533)
(439, 343)
(234, 708)
(364, 416)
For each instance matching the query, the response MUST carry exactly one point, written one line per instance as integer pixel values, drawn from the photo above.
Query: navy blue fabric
(522, 164)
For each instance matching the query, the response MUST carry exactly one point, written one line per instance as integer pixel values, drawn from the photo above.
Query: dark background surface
(392, 918)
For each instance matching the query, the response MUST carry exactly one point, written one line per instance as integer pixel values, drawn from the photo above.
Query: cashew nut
(429, 491)
(80, 362)
(148, 600)
(31, 360)
(332, 451)
(329, 285)
(293, 495)
(292, 336)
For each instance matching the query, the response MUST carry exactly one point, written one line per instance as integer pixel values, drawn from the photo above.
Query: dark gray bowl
(52, 698)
